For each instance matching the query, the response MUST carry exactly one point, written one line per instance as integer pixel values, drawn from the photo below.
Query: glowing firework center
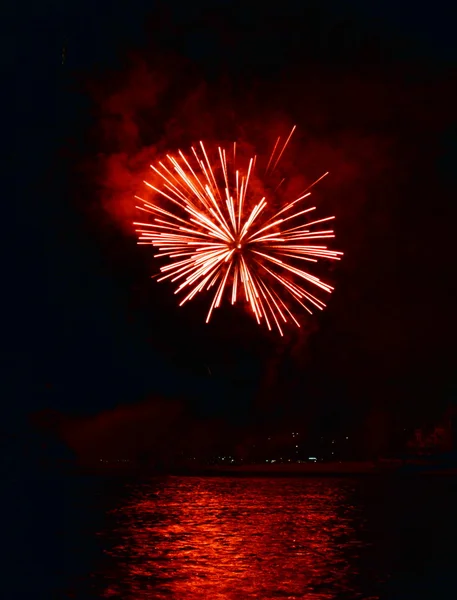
(216, 240)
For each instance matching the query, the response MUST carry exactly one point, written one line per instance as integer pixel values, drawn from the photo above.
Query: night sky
(371, 88)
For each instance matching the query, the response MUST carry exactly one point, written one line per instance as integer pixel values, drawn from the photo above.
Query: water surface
(185, 538)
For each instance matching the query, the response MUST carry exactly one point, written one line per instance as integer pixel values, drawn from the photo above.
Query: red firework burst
(215, 233)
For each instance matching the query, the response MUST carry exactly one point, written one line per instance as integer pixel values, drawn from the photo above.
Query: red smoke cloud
(149, 115)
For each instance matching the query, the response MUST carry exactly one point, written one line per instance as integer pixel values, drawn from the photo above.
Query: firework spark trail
(214, 233)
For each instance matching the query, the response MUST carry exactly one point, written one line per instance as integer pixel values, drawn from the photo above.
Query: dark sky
(86, 329)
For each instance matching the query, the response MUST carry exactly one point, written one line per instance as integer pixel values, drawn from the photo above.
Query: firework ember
(217, 233)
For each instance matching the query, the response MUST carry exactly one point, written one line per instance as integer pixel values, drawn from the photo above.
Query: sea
(229, 538)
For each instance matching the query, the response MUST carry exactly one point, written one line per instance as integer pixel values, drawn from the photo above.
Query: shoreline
(348, 469)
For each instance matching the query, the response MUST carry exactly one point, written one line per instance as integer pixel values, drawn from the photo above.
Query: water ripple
(222, 539)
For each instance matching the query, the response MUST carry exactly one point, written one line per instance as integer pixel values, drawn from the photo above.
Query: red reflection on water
(233, 539)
